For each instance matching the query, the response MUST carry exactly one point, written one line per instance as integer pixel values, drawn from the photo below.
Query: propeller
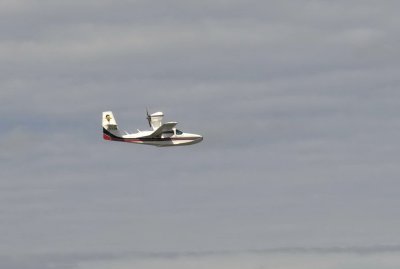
(148, 116)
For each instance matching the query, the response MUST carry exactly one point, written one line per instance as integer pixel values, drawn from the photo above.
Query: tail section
(110, 127)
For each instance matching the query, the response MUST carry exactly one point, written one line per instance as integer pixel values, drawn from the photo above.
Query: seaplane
(161, 135)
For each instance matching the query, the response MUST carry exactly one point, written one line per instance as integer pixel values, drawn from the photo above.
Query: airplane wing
(163, 128)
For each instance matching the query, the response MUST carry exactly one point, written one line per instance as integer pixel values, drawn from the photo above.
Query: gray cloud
(351, 257)
(298, 103)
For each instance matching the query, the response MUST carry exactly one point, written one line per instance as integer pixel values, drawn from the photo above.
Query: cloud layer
(298, 104)
(385, 257)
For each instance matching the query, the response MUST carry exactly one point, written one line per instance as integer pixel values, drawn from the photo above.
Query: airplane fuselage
(165, 140)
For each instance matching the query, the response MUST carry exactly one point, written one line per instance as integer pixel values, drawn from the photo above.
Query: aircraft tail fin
(110, 127)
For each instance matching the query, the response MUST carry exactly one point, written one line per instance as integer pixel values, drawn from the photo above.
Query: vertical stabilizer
(110, 126)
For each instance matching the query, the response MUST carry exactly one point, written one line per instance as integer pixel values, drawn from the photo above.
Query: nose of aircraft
(199, 138)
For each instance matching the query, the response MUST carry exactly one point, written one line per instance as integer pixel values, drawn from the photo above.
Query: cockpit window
(178, 132)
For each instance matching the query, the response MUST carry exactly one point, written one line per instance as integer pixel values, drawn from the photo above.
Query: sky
(298, 103)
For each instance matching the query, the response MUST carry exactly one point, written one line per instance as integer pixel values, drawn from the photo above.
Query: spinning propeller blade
(148, 117)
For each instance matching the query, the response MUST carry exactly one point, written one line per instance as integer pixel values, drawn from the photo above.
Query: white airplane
(162, 135)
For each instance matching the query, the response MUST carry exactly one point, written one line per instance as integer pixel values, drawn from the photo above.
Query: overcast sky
(298, 103)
